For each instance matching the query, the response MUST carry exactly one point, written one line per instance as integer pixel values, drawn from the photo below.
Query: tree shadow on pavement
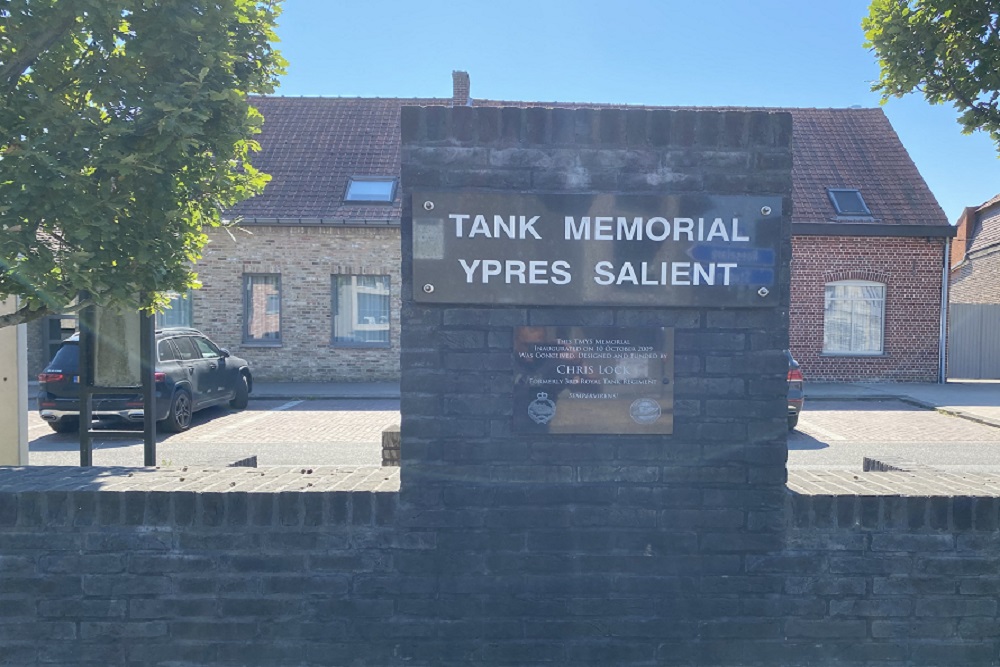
(799, 440)
(111, 434)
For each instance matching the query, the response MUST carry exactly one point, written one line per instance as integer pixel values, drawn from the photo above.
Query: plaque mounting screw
(763, 291)
(765, 210)
(428, 288)
(428, 206)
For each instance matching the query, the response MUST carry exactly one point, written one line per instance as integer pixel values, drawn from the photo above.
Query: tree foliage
(948, 50)
(125, 128)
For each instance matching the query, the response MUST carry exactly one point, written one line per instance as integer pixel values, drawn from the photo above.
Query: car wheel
(242, 396)
(179, 417)
(793, 421)
(65, 425)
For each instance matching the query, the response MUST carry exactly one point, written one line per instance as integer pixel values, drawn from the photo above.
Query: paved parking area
(832, 435)
(278, 432)
(839, 434)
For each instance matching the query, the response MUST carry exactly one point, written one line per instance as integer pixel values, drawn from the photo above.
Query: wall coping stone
(201, 479)
(926, 482)
(323, 479)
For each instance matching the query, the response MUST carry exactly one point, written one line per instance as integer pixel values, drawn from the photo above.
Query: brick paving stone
(278, 432)
(838, 435)
(950, 456)
(889, 421)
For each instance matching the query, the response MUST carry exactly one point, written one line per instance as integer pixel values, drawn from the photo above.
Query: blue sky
(795, 53)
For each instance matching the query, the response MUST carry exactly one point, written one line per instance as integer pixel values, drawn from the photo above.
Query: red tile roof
(990, 202)
(311, 147)
(986, 233)
(856, 148)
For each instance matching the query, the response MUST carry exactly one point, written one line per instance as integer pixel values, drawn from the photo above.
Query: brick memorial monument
(594, 318)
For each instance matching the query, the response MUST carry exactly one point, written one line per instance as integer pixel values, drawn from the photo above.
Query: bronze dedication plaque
(594, 380)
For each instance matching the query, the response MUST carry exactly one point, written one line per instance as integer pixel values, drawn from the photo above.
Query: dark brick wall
(887, 580)
(332, 578)
(206, 578)
(684, 549)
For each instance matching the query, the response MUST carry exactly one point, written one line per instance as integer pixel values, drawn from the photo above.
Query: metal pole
(943, 333)
(86, 381)
(147, 357)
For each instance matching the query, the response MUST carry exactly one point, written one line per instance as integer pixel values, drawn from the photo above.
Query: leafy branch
(15, 67)
(945, 50)
(117, 147)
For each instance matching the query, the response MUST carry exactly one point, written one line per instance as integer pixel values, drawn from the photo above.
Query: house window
(361, 310)
(57, 329)
(262, 308)
(371, 189)
(178, 313)
(848, 202)
(854, 317)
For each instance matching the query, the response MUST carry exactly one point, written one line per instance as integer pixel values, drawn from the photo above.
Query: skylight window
(371, 189)
(848, 202)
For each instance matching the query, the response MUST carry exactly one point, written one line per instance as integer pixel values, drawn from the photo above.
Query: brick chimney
(960, 244)
(460, 89)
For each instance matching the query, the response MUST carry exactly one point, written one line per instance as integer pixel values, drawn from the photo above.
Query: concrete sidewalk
(978, 400)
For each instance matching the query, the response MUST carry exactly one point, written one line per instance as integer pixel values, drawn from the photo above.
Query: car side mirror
(224, 351)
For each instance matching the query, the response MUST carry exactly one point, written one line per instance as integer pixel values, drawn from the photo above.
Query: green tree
(947, 50)
(125, 128)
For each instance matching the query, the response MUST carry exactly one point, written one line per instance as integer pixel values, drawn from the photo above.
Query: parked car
(191, 373)
(796, 391)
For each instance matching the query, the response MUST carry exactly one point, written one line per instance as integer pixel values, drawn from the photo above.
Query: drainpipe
(943, 335)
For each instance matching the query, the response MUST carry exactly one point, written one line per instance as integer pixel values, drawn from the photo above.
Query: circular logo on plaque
(542, 410)
(644, 411)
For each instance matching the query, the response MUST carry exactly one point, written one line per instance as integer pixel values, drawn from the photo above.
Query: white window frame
(181, 307)
(268, 308)
(865, 212)
(360, 197)
(355, 310)
(862, 341)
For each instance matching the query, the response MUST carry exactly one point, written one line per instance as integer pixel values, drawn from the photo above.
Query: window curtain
(361, 310)
(263, 312)
(854, 318)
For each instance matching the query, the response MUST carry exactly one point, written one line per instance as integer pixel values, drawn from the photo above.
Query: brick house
(869, 249)
(308, 287)
(974, 296)
(975, 255)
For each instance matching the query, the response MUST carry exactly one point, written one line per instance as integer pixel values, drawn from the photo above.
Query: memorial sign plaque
(596, 249)
(593, 380)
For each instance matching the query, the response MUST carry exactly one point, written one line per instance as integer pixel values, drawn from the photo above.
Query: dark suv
(191, 373)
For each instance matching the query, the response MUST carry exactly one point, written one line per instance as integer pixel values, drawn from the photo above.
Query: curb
(969, 416)
(986, 421)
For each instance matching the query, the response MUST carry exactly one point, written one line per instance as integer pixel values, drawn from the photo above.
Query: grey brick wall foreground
(210, 567)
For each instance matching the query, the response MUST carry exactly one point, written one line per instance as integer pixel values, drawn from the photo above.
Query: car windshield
(67, 359)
